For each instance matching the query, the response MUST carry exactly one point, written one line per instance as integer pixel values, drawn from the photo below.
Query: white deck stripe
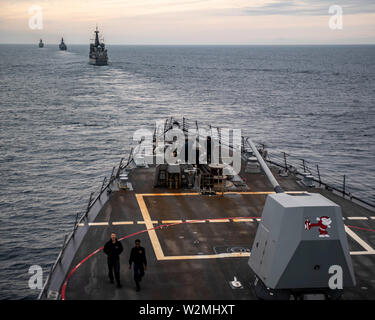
(243, 220)
(208, 256)
(143, 222)
(369, 250)
(358, 253)
(122, 222)
(98, 223)
(358, 239)
(195, 221)
(219, 220)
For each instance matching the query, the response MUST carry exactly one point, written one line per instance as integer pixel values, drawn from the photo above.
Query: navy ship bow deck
(195, 243)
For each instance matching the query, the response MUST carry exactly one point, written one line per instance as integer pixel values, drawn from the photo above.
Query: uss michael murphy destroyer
(274, 229)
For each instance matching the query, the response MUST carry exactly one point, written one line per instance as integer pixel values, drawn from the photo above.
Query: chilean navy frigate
(98, 53)
(62, 45)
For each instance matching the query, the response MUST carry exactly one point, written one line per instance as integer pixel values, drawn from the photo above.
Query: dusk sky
(189, 22)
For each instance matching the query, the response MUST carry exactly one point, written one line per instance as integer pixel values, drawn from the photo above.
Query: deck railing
(327, 178)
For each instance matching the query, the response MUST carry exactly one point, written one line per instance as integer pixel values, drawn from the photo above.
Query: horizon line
(199, 44)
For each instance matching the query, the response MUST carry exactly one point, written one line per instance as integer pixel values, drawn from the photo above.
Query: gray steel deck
(197, 260)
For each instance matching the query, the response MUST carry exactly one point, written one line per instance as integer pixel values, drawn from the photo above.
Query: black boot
(138, 288)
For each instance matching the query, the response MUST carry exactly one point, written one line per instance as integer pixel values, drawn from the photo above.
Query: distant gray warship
(41, 44)
(98, 53)
(62, 45)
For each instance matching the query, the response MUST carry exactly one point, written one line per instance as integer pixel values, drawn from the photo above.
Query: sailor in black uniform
(113, 249)
(138, 256)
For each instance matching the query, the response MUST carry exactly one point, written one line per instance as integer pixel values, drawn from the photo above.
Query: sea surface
(64, 124)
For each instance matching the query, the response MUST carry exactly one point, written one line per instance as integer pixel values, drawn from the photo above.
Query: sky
(179, 22)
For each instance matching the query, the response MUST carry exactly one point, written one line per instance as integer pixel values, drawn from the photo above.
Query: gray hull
(98, 62)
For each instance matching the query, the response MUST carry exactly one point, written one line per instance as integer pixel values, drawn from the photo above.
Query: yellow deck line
(171, 221)
(218, 220)
(168, 194)
(149, 225)
(98, 223)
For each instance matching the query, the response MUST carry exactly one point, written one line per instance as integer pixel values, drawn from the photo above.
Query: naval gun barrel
(267, 171)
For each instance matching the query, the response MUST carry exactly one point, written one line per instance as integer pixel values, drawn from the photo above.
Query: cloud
(310, 8)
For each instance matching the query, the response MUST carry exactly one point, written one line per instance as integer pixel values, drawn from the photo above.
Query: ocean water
(64, 123)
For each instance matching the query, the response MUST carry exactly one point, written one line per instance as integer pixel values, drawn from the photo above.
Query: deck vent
(307, 179)
(140, 161)
(252, 165)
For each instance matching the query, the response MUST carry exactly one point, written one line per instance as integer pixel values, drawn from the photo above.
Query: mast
(96, 37)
